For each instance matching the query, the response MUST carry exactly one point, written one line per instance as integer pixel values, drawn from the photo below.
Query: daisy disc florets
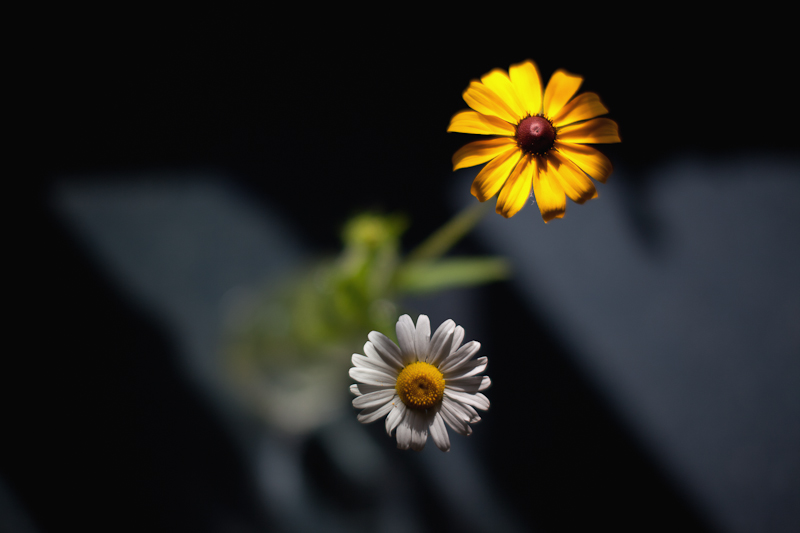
(540, 145)
(422, 384)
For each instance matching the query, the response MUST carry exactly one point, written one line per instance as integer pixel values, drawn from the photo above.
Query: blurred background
(183, 176)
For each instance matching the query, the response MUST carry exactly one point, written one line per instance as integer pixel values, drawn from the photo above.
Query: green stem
(445, 237)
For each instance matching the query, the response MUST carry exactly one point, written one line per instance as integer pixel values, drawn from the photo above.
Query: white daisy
(422, 384)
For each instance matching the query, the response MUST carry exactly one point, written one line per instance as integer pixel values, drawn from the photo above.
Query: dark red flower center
(535, 135)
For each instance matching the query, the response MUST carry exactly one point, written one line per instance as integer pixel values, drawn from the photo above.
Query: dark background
(320, 119)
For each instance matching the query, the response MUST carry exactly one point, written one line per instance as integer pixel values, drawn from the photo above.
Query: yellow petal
(573, 181)
(517, 189)
(479, 152)
(484, 100)
(549, 195)
(587, 158)
(497, 80)
(582, 107)
(525, 79)
(598, 130)
(472, 122)
(494, 174)
(560, 88)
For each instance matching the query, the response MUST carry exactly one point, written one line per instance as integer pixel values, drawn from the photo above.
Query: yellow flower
(541, 139)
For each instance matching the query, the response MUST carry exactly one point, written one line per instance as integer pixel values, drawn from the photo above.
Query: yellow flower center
(535, 135)
(420, 385)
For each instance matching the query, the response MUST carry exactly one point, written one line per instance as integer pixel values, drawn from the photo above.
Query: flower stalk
(448, 235)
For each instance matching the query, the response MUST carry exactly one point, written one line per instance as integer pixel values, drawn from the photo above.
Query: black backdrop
(321, 119)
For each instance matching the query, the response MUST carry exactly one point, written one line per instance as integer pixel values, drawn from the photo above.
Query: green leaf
(430, 276)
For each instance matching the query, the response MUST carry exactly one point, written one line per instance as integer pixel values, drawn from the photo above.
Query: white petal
(419, 430)
(386, 348)
(471, 368)
(395, 416)
(458, 338)
(469, 384)
(477, 400)
(462, 411)
(439, 336)
(366, 362)
(405, 336)
(438, 431)
(373, 399)
(354, 389)
(371, 415)
(460, 357)
(441, 342)
(372, 353)
(422, 337)
(454, 421)
(474, 416)
(363, 388)
(372, 377)
(404, 431)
